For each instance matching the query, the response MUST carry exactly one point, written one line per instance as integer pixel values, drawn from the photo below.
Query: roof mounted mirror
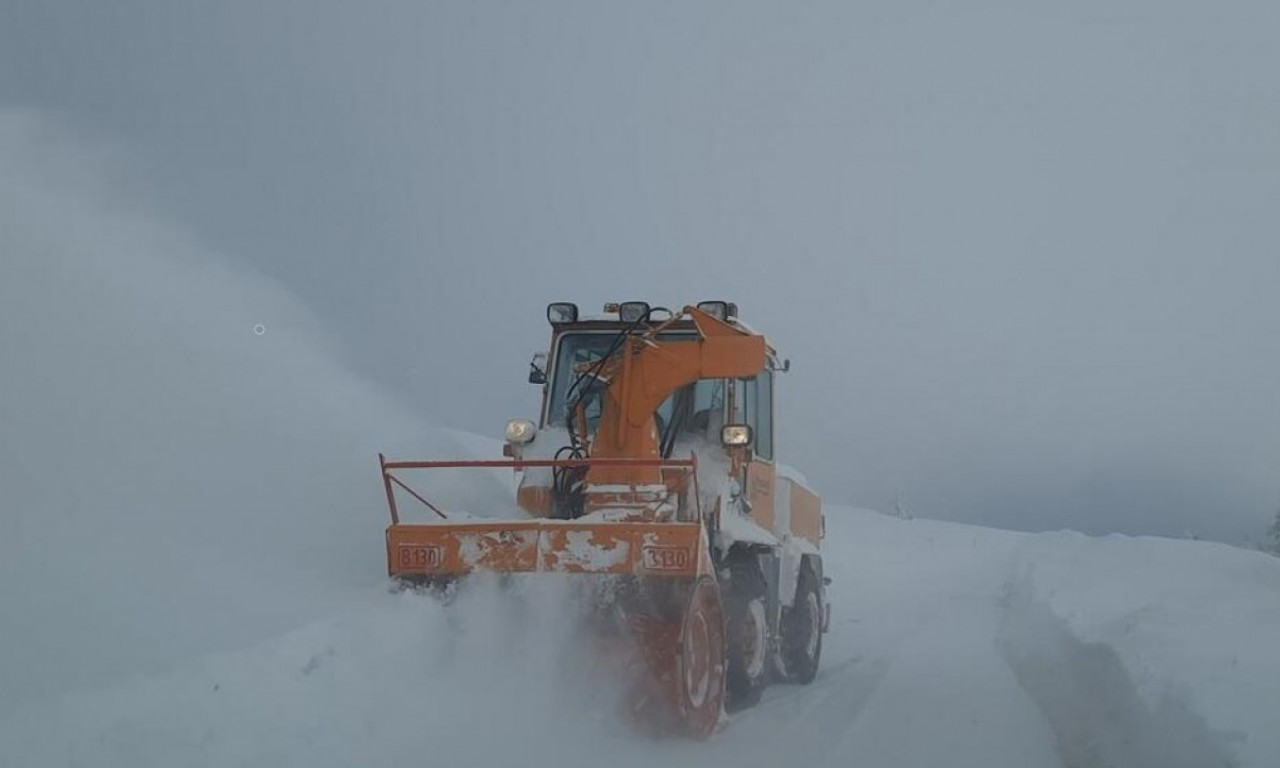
(562, 312)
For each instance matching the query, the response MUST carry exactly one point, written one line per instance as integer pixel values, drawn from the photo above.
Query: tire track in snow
(948, 698)
(794, 721)
(912, 672)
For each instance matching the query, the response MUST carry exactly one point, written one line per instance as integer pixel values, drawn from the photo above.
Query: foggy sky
(1023, 257)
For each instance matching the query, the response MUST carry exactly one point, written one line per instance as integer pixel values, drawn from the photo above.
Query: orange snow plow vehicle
(652, 467)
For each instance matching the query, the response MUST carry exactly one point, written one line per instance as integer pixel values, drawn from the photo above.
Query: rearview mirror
(538, 368)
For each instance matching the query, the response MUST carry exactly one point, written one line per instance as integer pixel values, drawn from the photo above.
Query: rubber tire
(703, 620)
(800, 652)
(743, 689)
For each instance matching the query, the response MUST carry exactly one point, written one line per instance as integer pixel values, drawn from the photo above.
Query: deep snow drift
(191, 567)
(172, 483)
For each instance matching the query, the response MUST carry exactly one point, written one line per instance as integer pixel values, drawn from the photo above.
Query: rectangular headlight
(562, 312)
(735, 435)
(520, 431)
(717, 309)
(633, 311)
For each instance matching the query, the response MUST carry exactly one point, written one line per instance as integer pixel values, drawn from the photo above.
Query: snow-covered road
(913, 670)
(942, 652)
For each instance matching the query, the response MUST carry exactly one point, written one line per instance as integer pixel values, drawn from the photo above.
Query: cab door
(753, 405)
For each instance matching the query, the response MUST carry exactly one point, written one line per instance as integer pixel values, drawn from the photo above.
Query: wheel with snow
(801, 630)
(700, 660)
(748, 640)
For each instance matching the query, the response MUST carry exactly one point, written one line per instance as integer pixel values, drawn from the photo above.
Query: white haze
(173, 483)
(191, 563)
(1023, 255)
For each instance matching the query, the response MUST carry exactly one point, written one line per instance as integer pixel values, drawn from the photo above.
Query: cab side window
(753, 405)
(763, 425)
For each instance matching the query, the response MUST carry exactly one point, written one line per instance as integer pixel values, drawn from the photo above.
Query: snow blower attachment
(653, 470)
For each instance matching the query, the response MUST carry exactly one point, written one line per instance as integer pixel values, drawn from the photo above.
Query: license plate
(667, 559)
(419, 557)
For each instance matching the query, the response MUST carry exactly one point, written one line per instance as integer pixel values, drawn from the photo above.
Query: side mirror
(735, 435)
(538, 368)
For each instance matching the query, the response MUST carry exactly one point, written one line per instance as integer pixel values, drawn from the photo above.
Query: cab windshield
(575, 350)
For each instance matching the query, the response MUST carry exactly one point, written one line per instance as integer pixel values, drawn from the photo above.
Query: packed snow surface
(951, 645)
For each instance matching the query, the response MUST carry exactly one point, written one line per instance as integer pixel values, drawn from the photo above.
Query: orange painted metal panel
(761, 477)
(643, 549)
(806, 514)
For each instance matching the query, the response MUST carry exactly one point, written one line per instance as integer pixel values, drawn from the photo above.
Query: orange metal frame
(389, 480)
(639, 547)
(669, 550)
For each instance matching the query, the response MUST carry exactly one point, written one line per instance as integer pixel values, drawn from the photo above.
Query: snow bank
(173, 483)
(1138, 652)
(497, 679)
(1194, 625)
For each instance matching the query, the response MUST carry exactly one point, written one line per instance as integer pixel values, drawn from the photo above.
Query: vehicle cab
(728, 423)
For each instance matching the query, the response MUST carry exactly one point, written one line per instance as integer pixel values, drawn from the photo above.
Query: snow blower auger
(652, 467)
